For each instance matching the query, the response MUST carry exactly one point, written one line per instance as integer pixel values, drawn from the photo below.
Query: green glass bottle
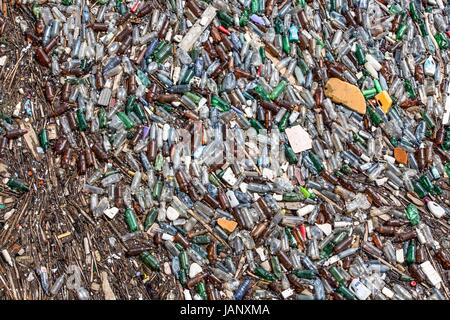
(131, 220)
(285, 43)
(201, 289)
(305, 192)
(188, 76)
(182, 277)
(262, 273)
(301, 3)
(43, 139)
(203, 239)
(157, 189)
(150, 219)
(262, 53)
(127, 122)
(37, 11)
(346, 293)
(278, 90)
(437, 190)
(276, 267)
(81, 119)
(423, 28)
(369, 93)
(377, 85)
(225, 18)
(291, 238)
(409, 89)
(130, 103)
(254, 6)
(279, 27)
(256, 124)
(139, 112)
(293, 34)
(193, 97)
(401, 31)
(220, 104)
(17, 185)
(374, 117)
(395, 9)
(316, 162)
(143, 77)
(261, 92)
(284, 122)
(411, 253)
(290, 154)
(426, 183)
(442, 40)
(184, 260)
(332, 5)
(337, 275)
(413, 12)
(102, 118)
(214, 180)
(419, 190)
(428, 120)
(412, 214)
(243, 20)
(446, 145)
(293, 197)
(158, 48)
(394, 141)
(305, 274)
(447, 169)
(359, 54)
(150, 261)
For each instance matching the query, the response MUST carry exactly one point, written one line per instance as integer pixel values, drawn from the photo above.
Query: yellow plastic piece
(384, 101)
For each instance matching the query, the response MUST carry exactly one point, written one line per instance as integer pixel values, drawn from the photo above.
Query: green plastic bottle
(412, 214)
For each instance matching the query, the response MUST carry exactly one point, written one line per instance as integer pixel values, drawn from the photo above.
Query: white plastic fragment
(229, 176)
(194, 270)
(431, 273)
(399, 255)
(3, 60)
(198, 28)
(111, 212)
(305, 210)
(287, 293)
(436, 209)
(172, 213)
(326, 228)
(359, 289)
(7, 257)
(299, 139)
(388, 292)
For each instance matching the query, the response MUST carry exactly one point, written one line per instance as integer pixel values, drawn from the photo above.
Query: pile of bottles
(264, 149)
